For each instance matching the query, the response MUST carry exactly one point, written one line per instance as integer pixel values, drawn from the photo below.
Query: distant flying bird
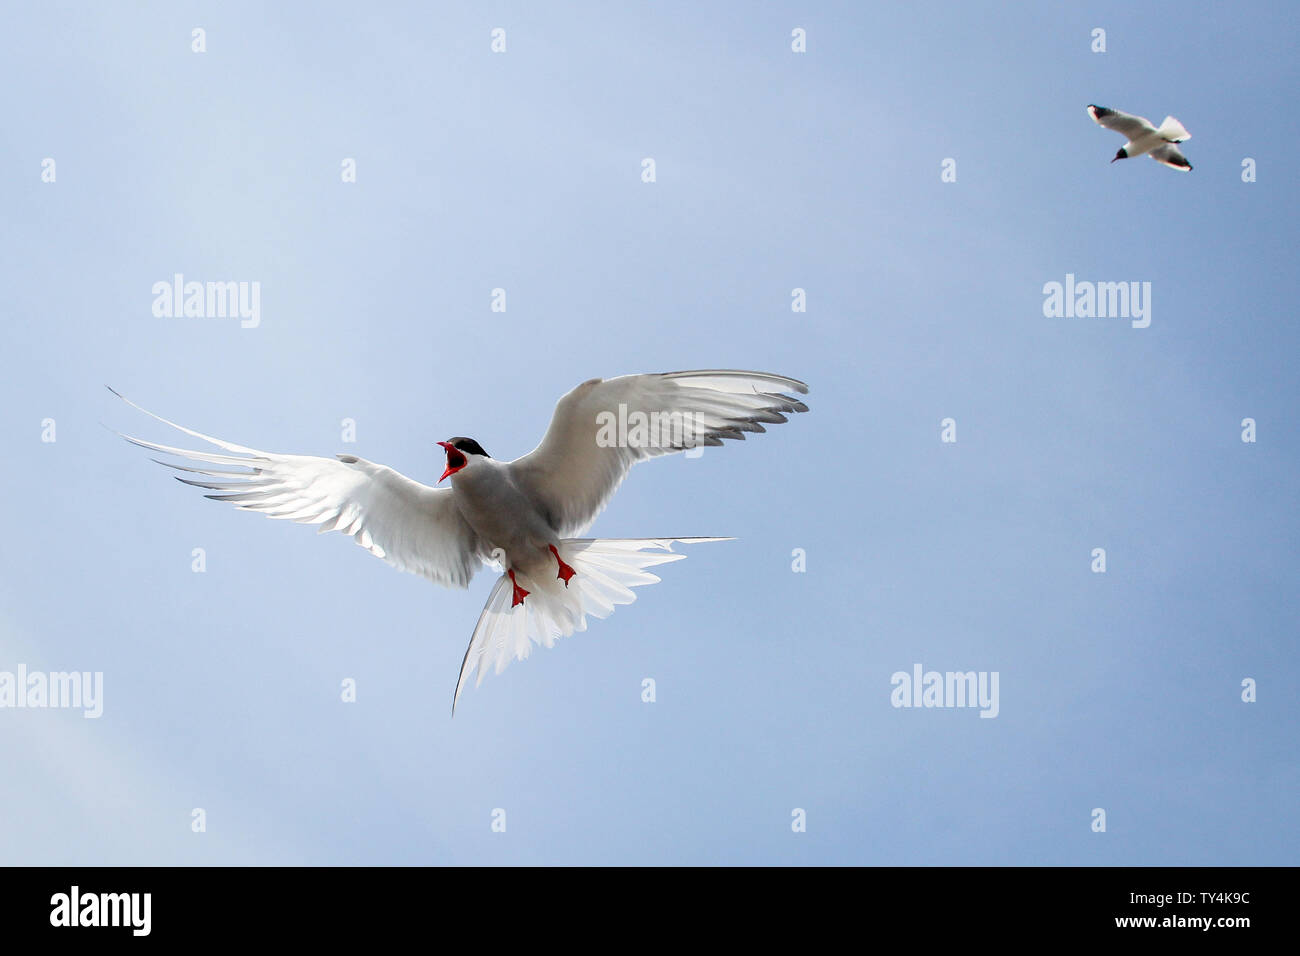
(1145, 138)
(524, 516)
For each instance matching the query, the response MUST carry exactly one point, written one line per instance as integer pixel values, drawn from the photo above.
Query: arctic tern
(526, 516)
(1145, 138)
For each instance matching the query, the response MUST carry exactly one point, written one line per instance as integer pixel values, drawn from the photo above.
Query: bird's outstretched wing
(1170, 155)
(1131, 126)
(603, 427)
(413, 527)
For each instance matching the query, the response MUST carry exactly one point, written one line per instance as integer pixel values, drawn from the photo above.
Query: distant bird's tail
(606, 570)
(1172, 131)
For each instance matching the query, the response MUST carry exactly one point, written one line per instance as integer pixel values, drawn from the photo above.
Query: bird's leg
(520, 593)
(566, 572)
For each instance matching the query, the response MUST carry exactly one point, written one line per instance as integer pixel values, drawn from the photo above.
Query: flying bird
(525, 517)
(1145, 138)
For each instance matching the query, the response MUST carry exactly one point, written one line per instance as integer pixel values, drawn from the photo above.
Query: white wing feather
(411, 526)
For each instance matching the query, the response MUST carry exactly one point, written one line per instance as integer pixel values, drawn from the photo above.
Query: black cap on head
(1121, 154)
(468, 445)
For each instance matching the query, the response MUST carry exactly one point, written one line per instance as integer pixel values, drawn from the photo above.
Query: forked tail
(607, 569)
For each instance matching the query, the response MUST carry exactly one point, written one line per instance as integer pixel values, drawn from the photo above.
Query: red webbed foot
(566, 572)
(519, 594)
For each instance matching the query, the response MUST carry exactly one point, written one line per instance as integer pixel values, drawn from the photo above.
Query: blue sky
(774, 170)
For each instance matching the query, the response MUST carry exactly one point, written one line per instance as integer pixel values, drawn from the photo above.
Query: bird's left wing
(604, 426)
(1170, 155)
(413, 527)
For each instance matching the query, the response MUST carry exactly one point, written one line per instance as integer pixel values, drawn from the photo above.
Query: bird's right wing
(413, 527)
(1131, 126)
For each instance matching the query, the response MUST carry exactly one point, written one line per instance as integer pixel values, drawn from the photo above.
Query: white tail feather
(606, 570)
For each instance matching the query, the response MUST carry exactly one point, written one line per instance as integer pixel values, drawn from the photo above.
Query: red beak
(449, 449)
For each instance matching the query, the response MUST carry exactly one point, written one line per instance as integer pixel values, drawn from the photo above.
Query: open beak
(452, 464)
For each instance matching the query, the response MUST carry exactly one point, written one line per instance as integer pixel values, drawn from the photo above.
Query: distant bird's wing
(1131, 126)
(604, 426)
(411, 526)
(1170, 156)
